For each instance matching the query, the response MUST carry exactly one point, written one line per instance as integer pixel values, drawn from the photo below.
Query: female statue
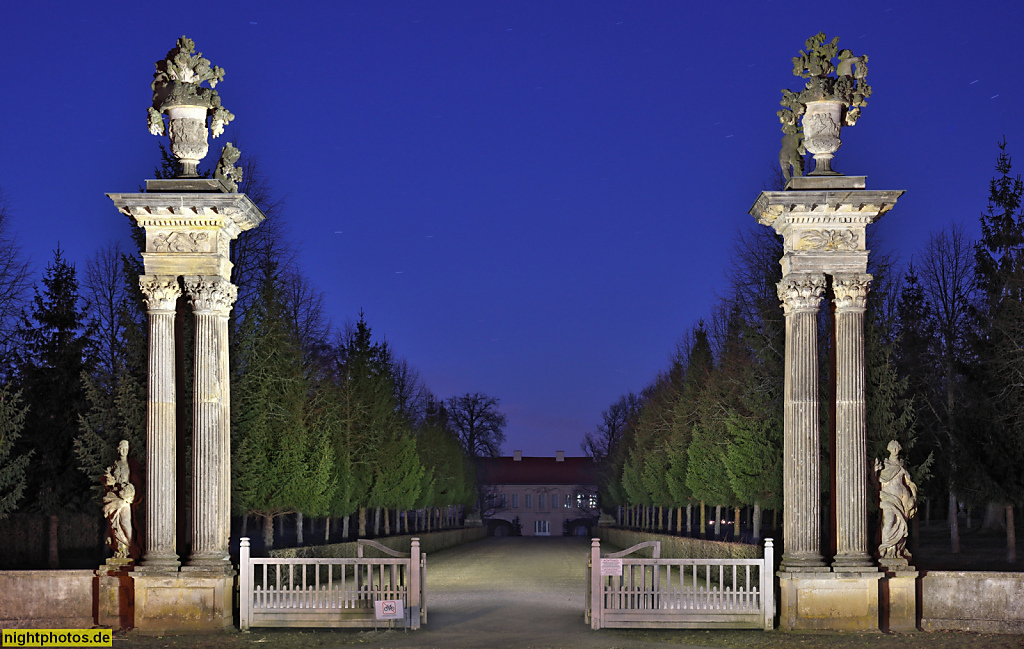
(117, 503)
(899, 504)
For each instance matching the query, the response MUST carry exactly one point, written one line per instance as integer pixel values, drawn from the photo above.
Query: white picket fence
(679, 593)
(321, 592)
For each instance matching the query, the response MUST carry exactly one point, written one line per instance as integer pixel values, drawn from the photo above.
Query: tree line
(326, 422)
(944, 334)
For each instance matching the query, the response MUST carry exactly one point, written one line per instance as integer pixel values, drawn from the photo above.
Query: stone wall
(679, 547)
(986, 602)
(429, 542)
(54, 599)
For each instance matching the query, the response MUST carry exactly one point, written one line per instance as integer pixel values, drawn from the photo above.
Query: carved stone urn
(179, 94)
(821, 122)
(187, 132)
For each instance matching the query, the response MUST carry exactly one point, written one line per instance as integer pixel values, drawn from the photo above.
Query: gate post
(768, 584)
(414, 582)
(596, 580)
(244, 585)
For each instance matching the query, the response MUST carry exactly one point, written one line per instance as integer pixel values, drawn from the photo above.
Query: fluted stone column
(851, 291)
(212, 298)
(801, 295)
(161, 294)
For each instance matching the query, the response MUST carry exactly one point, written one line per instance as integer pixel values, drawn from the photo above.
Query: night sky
(534, 200)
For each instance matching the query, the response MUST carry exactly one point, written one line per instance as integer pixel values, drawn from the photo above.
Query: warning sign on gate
(389, 609)
(611, 567)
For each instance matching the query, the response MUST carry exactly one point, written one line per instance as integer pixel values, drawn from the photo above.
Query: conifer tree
(55, 350)
(373, 426)
(279, 465)
(699, 364)
(12, 468)
(999, 402)
(706, 473)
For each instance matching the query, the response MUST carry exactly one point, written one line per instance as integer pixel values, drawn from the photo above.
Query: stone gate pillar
(851, 461)
(211, 299)
(823, 223)
(822, 218)
(189, 222)
(161, 295)
(801, 464)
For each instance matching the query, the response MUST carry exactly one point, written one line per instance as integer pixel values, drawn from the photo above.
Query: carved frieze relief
(180, 242)
(827, 240)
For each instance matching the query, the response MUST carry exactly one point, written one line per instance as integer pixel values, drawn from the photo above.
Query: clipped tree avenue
(281, 463)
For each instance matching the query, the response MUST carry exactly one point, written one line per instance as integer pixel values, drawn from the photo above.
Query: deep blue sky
(529, 199)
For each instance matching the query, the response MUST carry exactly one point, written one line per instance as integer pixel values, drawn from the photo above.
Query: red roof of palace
(538, 470)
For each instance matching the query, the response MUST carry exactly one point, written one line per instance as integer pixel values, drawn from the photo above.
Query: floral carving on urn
(179, 94)
(835, 91)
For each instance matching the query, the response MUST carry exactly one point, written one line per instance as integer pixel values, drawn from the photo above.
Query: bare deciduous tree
(475, 418)
(14, 287)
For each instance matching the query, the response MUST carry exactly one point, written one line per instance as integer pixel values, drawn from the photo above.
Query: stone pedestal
(898, 596)
(186, 602)
(835, 601)
(115, 607)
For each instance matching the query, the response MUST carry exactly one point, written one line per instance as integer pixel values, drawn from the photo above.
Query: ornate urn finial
(831, 98)
(177, 91)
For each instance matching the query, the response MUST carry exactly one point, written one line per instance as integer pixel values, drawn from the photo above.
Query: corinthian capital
(851, 291)
(160, 292)
(211, 294)
(801, 292)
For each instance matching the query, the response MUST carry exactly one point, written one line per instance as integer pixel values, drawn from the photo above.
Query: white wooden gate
(624, 592)
(322, 592)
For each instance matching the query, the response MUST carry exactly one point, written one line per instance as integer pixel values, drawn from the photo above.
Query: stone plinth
(115, 603)
(188, 602)
(898, 598)
(828, 600)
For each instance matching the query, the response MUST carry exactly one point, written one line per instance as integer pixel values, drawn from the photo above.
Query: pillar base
(169, 563)
(835, 601)
(115, 595)
(898, 598)
(189, 602)
(853, 563)
(219, 563)
(803, 563)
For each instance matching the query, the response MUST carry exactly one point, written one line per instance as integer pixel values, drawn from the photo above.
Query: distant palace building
(540, 496)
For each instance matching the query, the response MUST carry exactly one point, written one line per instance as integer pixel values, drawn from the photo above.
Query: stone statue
(791, 156)
(177, 91)
(898, 504)
(226, 169)
(117, 503)
(832, 97)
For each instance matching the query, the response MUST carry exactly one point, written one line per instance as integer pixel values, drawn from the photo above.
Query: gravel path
(510, 592)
